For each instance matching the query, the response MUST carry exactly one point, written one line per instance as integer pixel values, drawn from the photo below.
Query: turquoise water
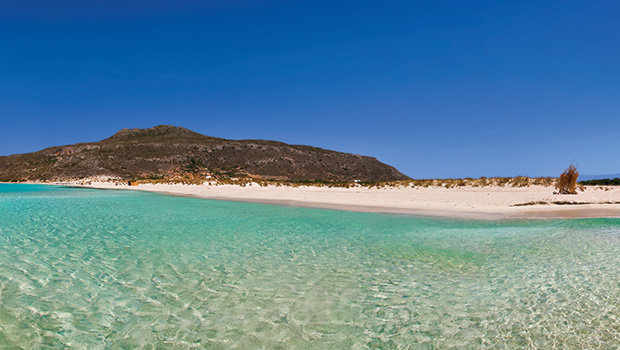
(119, 269)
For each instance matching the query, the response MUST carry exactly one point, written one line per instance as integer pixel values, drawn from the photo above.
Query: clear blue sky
(435, 88)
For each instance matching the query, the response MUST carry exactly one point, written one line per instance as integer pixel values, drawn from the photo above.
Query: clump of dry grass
(544, 181)
(567, 184)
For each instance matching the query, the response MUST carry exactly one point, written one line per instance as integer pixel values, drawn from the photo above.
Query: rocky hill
(171, 151)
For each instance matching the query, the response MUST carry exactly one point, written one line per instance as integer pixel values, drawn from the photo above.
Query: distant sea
(97, 269)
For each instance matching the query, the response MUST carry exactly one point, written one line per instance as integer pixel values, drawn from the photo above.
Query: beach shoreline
(483, 203)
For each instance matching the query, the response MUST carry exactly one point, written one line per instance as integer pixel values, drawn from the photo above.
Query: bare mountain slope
(167, 150)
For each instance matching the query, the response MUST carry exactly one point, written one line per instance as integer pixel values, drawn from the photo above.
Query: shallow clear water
(120, 269)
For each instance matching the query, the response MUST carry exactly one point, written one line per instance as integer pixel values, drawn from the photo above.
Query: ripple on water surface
(99, 269)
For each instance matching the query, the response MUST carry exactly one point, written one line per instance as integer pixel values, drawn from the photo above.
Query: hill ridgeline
(165, 151)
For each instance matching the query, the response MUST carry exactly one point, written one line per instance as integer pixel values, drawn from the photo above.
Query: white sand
(468, 202)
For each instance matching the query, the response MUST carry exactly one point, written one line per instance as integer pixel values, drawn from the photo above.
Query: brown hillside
(167, 150)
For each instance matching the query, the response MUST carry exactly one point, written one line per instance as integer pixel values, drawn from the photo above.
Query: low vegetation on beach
(516, 182)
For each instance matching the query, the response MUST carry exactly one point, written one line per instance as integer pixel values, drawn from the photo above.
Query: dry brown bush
(567, 183)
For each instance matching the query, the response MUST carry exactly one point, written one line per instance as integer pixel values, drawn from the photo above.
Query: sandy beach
(493, 202)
